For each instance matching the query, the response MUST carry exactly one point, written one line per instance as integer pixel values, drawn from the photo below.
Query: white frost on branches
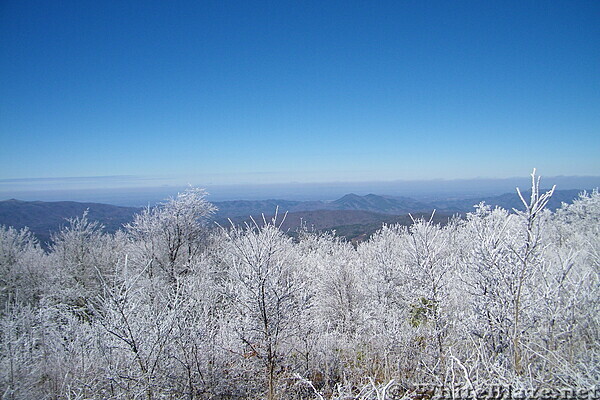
(172, 308)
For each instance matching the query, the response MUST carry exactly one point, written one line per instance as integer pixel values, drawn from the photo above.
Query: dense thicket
(168, 308)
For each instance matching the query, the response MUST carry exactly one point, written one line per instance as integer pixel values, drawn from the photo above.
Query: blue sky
(236, 92)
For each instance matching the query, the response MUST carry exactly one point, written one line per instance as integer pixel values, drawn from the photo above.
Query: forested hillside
(172, 309)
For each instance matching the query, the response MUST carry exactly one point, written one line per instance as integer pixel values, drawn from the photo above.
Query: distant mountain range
(383, 204)
(352, 215)
(370, 202)
(44, 217)
(507, 201)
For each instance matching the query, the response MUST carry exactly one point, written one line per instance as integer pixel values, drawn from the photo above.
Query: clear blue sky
(217, 92)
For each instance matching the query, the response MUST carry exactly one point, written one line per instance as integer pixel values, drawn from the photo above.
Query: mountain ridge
(354, 210)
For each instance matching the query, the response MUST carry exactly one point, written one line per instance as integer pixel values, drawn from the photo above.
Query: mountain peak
(12, 201)
(350, 196)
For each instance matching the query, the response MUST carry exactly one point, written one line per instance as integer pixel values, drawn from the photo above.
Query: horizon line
(146, 178)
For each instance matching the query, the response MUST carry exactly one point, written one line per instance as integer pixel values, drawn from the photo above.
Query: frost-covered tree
(265, 293)
(565, 343)
(80, 253)
(171, 234)
(334, 330)
(409, 275)
(139, 320)
(22, 267)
